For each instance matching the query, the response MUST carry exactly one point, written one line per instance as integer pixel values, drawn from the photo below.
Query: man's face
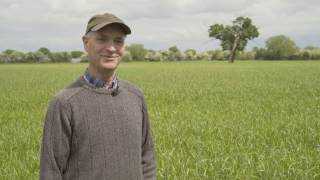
(105, 48)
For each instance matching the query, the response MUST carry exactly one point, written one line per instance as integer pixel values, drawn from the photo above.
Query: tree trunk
(234, 48)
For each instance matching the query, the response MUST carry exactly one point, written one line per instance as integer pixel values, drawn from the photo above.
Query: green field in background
(210, 120)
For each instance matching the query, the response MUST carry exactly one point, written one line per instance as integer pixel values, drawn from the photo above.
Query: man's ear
(85, 40)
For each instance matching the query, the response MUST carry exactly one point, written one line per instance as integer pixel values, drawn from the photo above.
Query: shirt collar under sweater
(98, 83)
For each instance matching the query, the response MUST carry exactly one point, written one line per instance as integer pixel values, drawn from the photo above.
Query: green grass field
(210, 120)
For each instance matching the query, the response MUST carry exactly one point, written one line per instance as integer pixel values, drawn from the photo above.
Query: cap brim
(125, 28)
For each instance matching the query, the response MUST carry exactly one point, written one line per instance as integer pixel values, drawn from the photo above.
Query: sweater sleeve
(148, 154)
(56, 141)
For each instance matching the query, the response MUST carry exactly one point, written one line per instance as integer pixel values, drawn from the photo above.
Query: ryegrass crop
(210, 120)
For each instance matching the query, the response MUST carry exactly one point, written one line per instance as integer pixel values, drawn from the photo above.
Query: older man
(98, 127)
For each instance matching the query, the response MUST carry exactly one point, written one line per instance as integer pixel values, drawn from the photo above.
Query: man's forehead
(112, 36)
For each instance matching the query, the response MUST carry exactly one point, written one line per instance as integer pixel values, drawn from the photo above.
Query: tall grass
(210, 120)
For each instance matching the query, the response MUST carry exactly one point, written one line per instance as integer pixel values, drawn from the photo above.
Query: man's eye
(101, 39)
(119, 41)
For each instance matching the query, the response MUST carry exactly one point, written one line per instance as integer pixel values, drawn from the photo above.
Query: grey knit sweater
(97, 133)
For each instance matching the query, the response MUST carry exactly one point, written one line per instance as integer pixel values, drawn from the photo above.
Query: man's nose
(110, 46)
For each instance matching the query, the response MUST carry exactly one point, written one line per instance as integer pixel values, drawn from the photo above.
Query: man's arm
(56, 141)
(148, 153)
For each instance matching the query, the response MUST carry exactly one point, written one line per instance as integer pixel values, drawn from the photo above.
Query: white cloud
(59, 24)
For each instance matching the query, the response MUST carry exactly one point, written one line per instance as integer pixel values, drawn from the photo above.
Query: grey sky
(158, 24)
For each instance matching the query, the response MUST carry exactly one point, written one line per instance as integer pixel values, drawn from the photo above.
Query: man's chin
(109, 65)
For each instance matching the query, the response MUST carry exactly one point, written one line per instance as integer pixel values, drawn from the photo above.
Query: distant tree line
(42, 55)
(277, 48)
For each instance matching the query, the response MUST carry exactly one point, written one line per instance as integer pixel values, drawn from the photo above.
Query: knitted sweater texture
(97, 133)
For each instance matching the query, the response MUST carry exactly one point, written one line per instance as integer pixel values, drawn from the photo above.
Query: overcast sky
(26, 25)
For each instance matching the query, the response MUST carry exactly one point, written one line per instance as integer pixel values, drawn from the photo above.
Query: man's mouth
(109, 57)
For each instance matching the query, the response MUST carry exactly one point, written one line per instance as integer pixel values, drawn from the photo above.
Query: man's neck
(106, 76)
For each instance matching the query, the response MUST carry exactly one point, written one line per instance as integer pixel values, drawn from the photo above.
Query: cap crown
(99, 21)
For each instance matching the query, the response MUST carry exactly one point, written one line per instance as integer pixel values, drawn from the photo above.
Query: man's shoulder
(132, 88)
(69, 91)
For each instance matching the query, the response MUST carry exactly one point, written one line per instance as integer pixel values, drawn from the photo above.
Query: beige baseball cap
(99, 21)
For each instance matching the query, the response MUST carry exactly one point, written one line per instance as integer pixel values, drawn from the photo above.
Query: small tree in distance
(235, 37)
(281, 47)
(137, 52)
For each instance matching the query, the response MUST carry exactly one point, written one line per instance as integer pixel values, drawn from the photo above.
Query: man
(98, 127)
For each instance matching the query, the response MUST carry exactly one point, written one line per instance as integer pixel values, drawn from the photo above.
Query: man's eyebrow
(102, 35)
(119, 37)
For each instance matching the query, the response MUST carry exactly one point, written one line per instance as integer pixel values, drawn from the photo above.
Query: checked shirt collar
(98, 83)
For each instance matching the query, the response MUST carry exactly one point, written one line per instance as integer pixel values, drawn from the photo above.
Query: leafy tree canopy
(236, 36)
(281, 47)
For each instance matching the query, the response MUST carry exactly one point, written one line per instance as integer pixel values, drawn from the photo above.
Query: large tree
(235, 37)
